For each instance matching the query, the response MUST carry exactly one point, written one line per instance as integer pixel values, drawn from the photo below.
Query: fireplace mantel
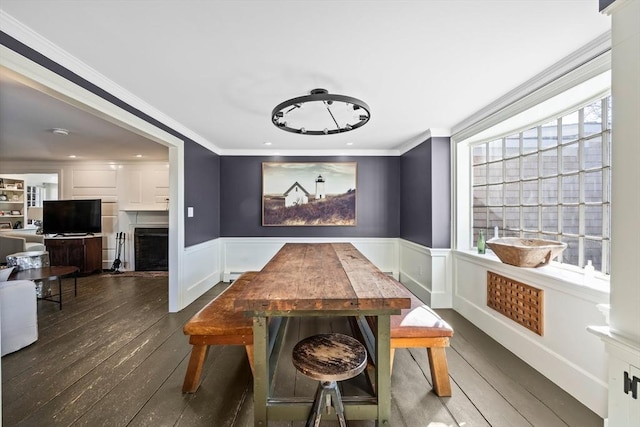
(144, 210)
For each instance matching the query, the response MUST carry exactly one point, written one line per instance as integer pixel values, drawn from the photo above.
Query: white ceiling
(27, 118)
(217, 68)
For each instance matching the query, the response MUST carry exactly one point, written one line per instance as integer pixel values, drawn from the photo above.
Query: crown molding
(40, 44)
(429, 133)
(273, 152)
(615, 6)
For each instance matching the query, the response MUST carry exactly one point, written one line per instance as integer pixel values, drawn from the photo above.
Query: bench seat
(421, 327)
(218, 323)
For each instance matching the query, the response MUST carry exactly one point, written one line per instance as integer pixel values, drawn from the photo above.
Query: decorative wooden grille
(521, 303)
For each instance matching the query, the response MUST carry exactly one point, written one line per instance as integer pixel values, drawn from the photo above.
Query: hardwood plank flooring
(114, 356)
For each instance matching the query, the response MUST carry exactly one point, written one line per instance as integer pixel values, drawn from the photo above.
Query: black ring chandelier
(307, 115)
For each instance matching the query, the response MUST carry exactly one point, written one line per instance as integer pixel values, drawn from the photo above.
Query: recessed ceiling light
(349, 143)
(60, 131)
(72, 156)
(138, 155)
(266, 143)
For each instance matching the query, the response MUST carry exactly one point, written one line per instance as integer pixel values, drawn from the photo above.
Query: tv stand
(73, 234)
(84, 252)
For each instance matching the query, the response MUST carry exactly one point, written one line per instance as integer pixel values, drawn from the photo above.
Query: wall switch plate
(190, 212)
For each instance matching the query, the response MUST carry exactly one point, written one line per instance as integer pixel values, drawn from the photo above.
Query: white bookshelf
(13, 203)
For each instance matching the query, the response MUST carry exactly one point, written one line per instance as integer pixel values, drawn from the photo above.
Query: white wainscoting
(566, 354)
(240, 254)
(426, 273)
(202, 270)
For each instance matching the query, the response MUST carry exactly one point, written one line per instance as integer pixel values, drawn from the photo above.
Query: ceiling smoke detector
(60, 131)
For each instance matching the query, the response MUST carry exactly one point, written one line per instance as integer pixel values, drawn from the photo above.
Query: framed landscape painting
(309, 194)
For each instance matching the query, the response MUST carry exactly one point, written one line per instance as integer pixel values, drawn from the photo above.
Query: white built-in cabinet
(13, 203)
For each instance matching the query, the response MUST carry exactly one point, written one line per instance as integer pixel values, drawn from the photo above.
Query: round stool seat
(330, 357)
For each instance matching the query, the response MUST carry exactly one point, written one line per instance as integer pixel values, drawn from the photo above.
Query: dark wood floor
(114, 357)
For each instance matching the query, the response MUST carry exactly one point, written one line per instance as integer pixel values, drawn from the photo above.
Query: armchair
(18, 315)
(11, 243)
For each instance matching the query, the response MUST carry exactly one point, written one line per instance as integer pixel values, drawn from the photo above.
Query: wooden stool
(329, 358)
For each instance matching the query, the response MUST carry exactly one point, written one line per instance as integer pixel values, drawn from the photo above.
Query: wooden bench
(218, 323)
(421, 327)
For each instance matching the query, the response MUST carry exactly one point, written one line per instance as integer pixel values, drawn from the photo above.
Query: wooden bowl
(526, 252)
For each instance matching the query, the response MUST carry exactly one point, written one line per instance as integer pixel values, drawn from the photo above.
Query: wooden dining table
(321, 279)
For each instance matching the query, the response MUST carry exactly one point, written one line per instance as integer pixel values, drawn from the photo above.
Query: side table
(48, 272)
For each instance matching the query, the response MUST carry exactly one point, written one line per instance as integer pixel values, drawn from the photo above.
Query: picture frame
(19, 186)
(309, 194)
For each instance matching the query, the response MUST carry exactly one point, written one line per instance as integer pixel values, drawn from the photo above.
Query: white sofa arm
(18, 315)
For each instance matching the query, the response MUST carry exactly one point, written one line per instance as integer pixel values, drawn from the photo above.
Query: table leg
(261, 372)
(383, 370)
(60, 290)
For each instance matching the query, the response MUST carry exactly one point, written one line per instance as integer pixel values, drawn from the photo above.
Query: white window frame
(581, 204)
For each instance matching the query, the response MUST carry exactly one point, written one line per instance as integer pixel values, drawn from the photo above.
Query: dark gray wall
(415, 200)
(377, 203)
(201, 228)
(425, 207)
(603, 4)
(202, 192)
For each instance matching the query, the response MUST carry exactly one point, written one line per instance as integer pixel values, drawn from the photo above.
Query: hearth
(151, 246)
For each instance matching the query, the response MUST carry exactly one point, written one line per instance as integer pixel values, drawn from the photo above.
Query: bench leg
(439, 371)
(392, 354)
(194, 370)
(249, 349)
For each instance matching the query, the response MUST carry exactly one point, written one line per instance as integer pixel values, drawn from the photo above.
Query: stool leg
(316, 409)
(337, 404)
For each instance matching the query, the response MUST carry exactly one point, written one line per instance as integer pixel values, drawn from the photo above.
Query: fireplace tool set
(120, 237)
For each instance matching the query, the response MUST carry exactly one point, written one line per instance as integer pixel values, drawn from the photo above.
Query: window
(34, 196)
(551, 181)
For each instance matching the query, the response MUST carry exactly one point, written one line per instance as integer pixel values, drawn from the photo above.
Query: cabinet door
(66, 252)
(93, 254)
(75, 252)
(57, 255)
(57, 251)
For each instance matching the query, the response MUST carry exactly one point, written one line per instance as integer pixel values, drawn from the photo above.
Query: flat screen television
(72, 216)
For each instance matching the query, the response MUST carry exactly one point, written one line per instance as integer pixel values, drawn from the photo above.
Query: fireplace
(151, 247)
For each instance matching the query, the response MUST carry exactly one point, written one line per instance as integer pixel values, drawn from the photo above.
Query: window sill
(553, 275)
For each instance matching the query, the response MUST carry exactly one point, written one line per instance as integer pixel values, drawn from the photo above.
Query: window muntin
(550, 181)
